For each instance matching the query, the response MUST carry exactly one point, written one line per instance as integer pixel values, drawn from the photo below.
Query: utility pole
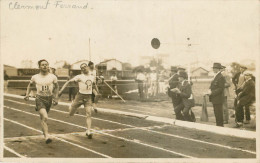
(156, 44)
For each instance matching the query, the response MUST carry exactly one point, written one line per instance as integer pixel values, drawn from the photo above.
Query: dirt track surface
(115, 136)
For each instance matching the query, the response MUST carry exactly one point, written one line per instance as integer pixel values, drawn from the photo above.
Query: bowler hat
(174, 68)
(183, 74)
(217, 65)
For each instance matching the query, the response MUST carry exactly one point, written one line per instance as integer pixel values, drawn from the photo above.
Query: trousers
(218, 111)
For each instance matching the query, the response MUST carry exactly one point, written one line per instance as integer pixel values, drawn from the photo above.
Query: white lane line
(12, 151)
(129, 140)
(15, 122)
(23, 137)
(94, 118)
(199, 141)
(141, 111)
(75, 114)
(48, 117)
(161, 133)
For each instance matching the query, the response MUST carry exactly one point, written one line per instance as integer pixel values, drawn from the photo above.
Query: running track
(115, 136)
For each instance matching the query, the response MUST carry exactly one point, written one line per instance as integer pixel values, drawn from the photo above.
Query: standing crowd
(180, 91)
(150, 83)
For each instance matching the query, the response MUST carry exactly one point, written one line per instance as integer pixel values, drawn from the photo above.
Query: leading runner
(47, 91)
(84, 96)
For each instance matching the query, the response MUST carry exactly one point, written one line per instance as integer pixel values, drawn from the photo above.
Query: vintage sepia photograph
(129, 81)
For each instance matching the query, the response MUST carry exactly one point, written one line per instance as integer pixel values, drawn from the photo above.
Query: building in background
(109, 64)
(199, 72)
(10, 70)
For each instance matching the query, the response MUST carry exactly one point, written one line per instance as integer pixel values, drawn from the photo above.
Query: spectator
(146, 84)
(6, 77)
(161, 83)
(173, 83)
(53, 71)
(100, 82)
(141, 80)
(216, 93)
(238, 80)
(72, 86)
(113, 82)
(244, 99)
(181, 69)
(226, 95)
(153, 77)
(184, 91)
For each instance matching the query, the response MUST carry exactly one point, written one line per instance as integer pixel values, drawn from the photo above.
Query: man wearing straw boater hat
(216, 93)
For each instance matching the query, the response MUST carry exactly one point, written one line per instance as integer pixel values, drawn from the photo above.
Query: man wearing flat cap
(216, 93)
(238, 80)
(244, 99)
(173, 83)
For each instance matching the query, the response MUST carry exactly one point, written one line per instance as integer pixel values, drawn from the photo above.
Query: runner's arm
(56, 90)
(64, 86)
(29, 88)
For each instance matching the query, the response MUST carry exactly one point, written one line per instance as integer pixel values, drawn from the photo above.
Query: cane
(204, 112)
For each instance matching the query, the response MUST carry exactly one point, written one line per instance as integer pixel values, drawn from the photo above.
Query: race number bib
(88, 85)
(45, 88)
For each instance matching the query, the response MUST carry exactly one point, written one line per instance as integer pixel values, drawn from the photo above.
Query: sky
(219, 31)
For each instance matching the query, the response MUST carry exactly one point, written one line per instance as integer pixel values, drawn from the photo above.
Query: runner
(47, 90)
(84, 96)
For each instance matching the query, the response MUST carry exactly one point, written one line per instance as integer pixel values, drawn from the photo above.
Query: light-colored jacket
(227, 85)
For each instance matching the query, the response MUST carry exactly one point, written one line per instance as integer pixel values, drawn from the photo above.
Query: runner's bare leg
(44, 118)
(88, 118)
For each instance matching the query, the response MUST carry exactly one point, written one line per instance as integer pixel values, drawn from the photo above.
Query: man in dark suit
(216, 93)
(184, 91)
(245, 98)
(173, 82)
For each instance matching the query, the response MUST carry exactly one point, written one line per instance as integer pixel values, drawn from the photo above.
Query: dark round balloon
(155, 43)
